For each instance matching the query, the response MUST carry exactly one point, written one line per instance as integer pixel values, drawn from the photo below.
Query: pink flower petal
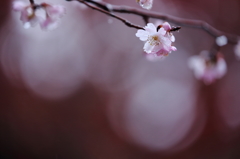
(142, 34)
(56, 10)
(19, 5)
(150, 28)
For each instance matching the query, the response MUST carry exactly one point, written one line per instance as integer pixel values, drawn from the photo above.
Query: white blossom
(158, 39)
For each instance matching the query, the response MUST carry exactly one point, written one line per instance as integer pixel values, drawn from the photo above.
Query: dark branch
(146, 19)
(32, 2)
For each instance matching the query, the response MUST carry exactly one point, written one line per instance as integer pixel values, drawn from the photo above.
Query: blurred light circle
(51, 64)
(159, 114)
(51, 72)
(10, 55)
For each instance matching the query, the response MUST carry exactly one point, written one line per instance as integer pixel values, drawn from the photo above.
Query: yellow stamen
(153, 40)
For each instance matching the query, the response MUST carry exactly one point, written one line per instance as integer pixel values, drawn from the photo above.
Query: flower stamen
(153, 40)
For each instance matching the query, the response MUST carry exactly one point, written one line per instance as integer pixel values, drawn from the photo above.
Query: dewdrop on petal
(146, 4)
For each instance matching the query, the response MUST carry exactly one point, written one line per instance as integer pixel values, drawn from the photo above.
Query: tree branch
(199, 24)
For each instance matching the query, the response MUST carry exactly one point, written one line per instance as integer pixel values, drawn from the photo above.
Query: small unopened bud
(158, 27)
(221, 40)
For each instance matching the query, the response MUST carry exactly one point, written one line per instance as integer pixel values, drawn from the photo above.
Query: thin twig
(129, 24)
(146, 19)
(32, 2)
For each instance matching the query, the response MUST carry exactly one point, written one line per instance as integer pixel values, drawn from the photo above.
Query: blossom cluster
(44, 14)
(158, 39)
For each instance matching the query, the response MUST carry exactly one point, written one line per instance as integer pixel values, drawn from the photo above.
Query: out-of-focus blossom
(221, 40)
(49, 23)
(55, 11)
(45, 14)
(28, 16)
(154, 58)
(146, 4)
(158, 39)
(237, 50)
(53, 15)
(208, 67)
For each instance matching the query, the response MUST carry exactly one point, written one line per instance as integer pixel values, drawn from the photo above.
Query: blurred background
(87, 91)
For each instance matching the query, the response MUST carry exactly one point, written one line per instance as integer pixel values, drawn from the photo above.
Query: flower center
(30, 13)
(153, 40)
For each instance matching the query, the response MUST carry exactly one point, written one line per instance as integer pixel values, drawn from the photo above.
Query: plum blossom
(146, 4)
(44, 14)
(158, 40)
(28, 16)
(53, 15)
(208, 67)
